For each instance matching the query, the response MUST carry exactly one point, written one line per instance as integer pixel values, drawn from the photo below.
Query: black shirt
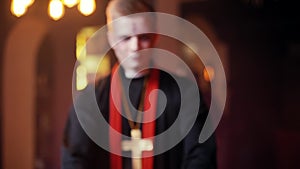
(80, 152)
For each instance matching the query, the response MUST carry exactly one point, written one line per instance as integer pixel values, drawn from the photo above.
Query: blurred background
(258, 42)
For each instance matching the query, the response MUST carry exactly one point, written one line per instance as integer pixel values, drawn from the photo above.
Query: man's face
(128, 35)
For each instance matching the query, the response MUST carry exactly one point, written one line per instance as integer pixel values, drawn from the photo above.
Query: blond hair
(118, 8)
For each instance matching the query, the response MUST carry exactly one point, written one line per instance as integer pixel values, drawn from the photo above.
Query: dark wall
(261, 126)
(4, 29)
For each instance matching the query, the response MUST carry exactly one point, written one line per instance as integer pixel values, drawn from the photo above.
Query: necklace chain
(128, 113)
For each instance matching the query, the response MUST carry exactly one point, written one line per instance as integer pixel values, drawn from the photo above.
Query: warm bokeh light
(208, 73)
(27, 3)
(87, 7)
(81, 77)
(19, 7)
(91, 65)
(56, 9)
(70, 3)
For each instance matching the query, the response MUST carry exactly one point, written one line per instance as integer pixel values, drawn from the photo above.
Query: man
(132, 115)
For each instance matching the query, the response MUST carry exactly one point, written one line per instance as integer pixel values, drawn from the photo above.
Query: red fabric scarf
(115, 119)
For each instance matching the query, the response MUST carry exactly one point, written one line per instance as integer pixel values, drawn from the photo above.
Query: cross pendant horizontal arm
(137, 145)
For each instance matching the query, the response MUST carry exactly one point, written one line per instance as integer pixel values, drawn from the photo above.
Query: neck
(132, 74)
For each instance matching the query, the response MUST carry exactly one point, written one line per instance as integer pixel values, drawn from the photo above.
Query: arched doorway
(19, 83)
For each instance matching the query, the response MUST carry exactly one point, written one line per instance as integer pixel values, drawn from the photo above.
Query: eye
(126, 38)
(145, 37)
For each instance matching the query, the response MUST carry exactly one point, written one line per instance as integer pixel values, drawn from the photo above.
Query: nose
(135, 43)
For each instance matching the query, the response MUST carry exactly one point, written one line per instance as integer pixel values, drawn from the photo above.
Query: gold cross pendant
(137, 145)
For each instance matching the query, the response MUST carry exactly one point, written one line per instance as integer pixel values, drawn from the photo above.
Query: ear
(110, 38)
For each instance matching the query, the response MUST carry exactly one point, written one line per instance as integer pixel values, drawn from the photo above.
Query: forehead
(131, 25)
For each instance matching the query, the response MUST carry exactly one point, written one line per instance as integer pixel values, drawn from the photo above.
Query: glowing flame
(56, 9)
(70, 3)
(87, 7)
(19, 7)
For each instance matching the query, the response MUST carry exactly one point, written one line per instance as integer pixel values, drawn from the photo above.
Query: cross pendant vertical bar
(137, 145)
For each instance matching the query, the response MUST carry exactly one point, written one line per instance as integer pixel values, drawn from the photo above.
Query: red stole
(115, 118)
